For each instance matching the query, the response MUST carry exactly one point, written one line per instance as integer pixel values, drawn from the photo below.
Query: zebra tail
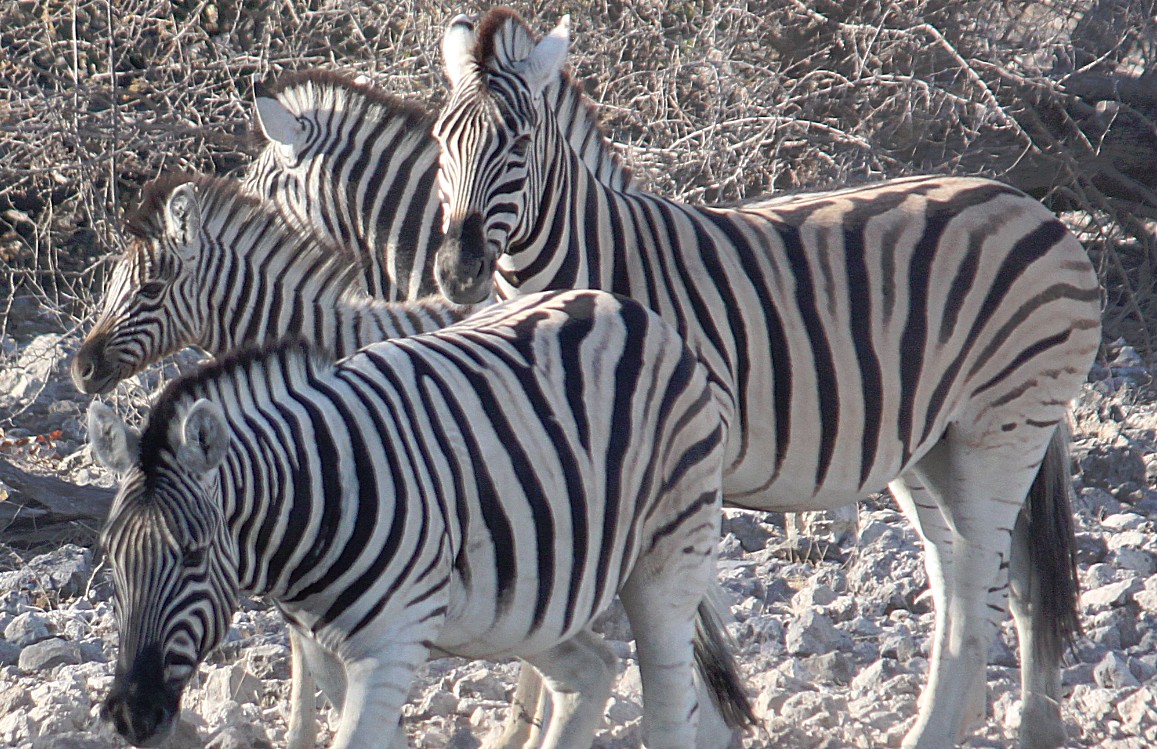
(1055, 589)
(715, 662)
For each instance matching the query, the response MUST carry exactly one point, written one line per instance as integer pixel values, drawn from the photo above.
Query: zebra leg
(662, 613)
(1043, 593)
(527, 712)
(302, 731)
(376, 687)
(982, 482)
(922, 508)
(578, 674)
(725, 710)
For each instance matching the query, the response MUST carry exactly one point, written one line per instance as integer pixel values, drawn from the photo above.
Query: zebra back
(517, 465)
(358, 166)
(212, 266)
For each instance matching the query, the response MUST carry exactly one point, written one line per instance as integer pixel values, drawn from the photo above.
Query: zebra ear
(278, 123)
(183, 215)
(206, 437)
(458, 48)
(112, 443)
(544, 65)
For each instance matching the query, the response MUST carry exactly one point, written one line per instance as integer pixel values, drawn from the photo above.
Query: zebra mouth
(92, 380)
(95, 369)
(142, 717)
(464, 278)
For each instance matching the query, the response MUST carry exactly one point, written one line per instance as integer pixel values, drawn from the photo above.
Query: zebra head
(151, 307)
(174, 570)
(488, 134)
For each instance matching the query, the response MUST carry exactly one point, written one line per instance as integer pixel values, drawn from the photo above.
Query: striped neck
(307, 490)
(554, 247)
(262, 282)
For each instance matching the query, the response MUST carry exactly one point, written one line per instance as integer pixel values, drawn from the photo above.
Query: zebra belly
(753, 482)
(793, 492)
(475, 627)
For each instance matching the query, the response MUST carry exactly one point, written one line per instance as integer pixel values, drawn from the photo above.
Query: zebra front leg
(376, 687)
(578, 674)
(528, 709)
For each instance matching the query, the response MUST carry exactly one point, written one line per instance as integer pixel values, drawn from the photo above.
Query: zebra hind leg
(578, 674)
(922, 508)
(1043, 595)
(980, 482)
(662, 619)
(725, 710)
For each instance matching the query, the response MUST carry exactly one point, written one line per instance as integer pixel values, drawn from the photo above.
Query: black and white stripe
(358, 167)
(484, 490)
(213, 267)
(924, 333)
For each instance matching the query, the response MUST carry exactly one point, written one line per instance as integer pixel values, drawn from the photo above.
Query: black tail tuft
(1052, 549)
(715, 662)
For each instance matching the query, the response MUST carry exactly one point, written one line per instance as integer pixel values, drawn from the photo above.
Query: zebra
(924, 333)
(212, 266)
(358, 167)
(483, 490)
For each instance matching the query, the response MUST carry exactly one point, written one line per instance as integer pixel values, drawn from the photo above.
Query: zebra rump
(525, 466)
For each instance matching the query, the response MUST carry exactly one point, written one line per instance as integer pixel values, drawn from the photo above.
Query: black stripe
(826, 385)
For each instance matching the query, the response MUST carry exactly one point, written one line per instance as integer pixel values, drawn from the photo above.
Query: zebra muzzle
(464, 269)
(141, 705)
(87, 367)
(143, 717)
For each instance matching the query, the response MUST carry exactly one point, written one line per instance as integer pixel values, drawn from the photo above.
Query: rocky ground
(832, 632)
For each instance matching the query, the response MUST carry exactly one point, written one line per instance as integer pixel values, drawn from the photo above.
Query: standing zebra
(923, 333)
(359, 168)
(484, 491)
(212, 266)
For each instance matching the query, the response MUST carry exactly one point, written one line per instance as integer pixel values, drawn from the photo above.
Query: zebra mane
(307, 91)
(291, 360)
(224, 200)
(503, 39)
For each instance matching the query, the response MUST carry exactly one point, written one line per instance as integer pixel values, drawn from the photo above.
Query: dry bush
(711, 101)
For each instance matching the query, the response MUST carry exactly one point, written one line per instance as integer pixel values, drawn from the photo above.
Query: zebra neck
(318, 484)
(579, 128)
(356, 321)
(568, 246)
(264, 284)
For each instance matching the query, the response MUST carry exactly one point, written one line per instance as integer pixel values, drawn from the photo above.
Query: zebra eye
(520, 145)
(193, 557)
(153, 289)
